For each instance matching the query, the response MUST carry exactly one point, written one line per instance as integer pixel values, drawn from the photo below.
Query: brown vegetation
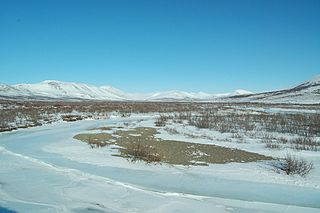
(235, 118)
(71, 118)
(292, 165)
(138, 151)
(161, 120)
(141, 144)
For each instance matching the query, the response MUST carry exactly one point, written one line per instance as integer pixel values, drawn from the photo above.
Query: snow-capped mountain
(12, 91)
(307, 92)
(173, 95)
(52, 89)
(231, 94)
(66, 90)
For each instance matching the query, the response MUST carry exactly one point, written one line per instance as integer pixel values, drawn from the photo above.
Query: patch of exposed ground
(140, 144)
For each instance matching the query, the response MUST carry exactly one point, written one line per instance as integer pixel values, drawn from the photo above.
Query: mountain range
(307, 92)
(52, 89)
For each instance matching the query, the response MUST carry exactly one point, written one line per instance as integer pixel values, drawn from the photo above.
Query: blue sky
(140, 46)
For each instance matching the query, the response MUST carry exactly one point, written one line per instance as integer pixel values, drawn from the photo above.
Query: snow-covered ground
(43, 169)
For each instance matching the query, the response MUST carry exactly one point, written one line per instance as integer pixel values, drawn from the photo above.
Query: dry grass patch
(95, 140)
(139, 151)
(141, 144)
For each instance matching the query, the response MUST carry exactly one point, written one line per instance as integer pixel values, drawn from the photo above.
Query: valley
(158, 156)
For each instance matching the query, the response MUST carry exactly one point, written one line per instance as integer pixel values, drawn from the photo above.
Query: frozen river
(43, 169)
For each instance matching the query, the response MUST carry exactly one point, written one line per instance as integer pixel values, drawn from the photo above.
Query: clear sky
(140, 46)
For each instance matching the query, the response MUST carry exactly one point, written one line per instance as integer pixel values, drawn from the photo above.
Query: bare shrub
(305, 125)
(202, 121)
(282, 140)
(305, 143)
(270, 141)
(182, 116)
(292, 165)
(222, 117)
(237, 135)
(161, 120)
(171, 131)
(125, 114)
(271, 145)
(138, 151)
(71, 118)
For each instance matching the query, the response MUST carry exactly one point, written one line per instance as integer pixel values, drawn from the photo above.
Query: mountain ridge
(64, 90)
(306, 92)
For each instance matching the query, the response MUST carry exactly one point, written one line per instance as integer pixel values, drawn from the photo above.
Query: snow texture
(305, 93)
(43, 169)
(51, 89)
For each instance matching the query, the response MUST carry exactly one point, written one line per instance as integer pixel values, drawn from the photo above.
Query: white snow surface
(305, 93)
(69, 90)
(314, 80)
(58, 89)
(43, 169)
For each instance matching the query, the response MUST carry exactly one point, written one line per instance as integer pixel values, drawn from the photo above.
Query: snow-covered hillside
(51, 89)
(307, 92)
(66, 90)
